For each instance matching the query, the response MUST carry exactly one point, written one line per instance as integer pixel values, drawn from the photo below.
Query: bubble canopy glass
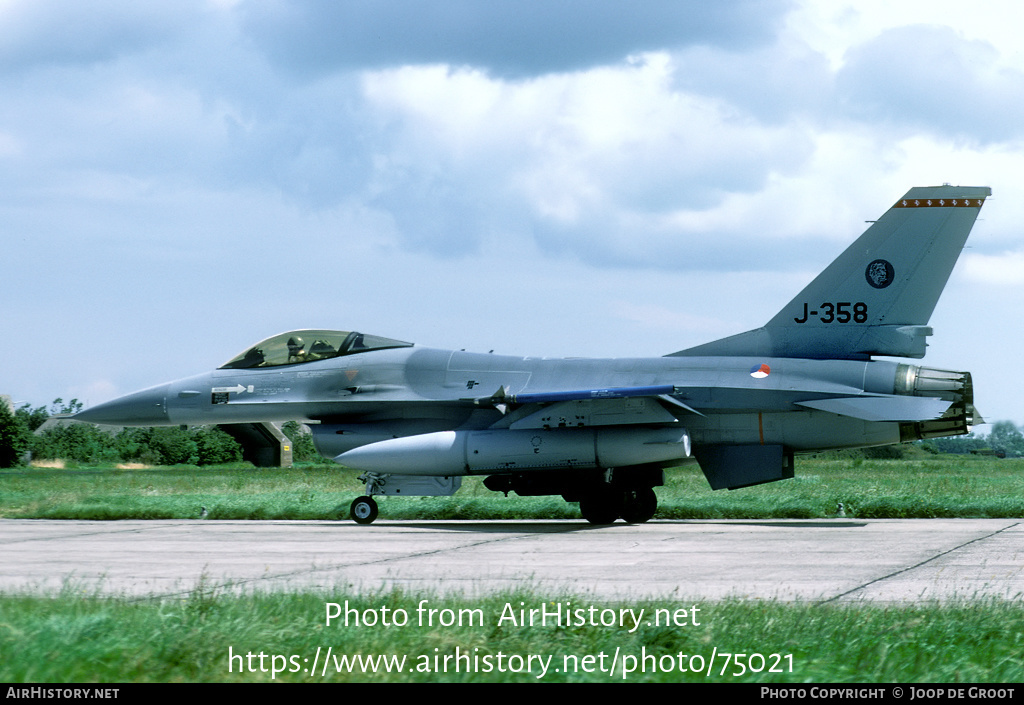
(300, 346)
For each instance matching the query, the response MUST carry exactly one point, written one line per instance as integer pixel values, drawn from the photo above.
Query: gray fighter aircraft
(601, 432)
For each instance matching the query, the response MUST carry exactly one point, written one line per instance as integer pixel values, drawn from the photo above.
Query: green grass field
(926, 486)
(209, 635)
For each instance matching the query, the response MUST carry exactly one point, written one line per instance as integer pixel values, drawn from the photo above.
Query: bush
(154, 446)
(174, 446)
(302, 442)
(14, 438)
(217, 447)
(74, 441)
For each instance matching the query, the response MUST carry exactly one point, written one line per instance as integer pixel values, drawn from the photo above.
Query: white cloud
(1001, 270)
(925, 78)
(833, 27)
(595, 159)
(39, 33)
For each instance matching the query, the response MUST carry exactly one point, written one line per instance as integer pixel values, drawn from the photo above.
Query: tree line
(85, 443)
(1005, 440)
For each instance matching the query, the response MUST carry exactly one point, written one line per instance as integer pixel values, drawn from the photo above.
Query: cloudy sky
(180, 179)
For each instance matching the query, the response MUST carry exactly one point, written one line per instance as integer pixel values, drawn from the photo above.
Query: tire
(639, 505)
(363, 510)
(601, 506)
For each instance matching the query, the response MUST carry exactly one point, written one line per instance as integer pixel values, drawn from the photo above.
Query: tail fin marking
(875, 298)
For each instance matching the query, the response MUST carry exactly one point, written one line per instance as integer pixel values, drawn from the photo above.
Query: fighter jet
(601, 432)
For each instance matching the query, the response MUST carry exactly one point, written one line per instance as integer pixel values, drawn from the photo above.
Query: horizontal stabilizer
(886, 408)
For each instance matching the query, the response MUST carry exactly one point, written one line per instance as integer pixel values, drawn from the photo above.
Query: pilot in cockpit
(296, 349)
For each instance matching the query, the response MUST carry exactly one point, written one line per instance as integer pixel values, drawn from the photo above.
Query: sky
(182, 178)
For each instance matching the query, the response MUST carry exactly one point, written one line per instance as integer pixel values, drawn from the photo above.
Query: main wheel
(639, 505)
(363, 510)
(602, 505)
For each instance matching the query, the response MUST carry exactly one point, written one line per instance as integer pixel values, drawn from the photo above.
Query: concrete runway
(812, 560)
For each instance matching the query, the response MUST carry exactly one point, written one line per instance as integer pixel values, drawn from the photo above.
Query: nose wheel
(363, 510)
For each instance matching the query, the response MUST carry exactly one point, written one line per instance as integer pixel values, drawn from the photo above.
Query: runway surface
(812, 560)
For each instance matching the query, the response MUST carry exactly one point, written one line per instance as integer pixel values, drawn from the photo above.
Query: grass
(83, 638)
(76, 636)
(924, 487)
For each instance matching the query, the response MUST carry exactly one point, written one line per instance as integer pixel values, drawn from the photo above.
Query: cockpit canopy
(299, 346)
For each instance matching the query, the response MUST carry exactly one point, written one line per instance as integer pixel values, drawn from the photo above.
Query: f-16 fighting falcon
(601, 432)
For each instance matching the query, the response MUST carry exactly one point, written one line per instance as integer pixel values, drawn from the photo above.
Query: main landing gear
(606, 503)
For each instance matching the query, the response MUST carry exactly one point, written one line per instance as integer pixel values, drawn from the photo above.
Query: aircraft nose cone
(145, 408)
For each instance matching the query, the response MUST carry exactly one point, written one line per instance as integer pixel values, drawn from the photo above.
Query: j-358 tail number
(839, 312)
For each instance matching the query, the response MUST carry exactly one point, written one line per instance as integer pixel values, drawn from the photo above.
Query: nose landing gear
(363, 510)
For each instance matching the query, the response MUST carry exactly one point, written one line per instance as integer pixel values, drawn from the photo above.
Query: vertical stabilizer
(876, 298)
